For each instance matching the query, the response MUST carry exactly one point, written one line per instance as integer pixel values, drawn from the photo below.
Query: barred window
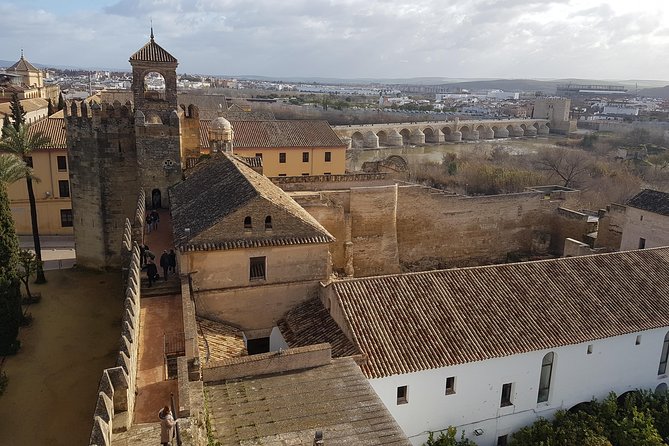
(257, 269)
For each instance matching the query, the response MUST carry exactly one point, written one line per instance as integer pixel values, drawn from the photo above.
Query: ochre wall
(294, 166)
(47, 196)
(224, 291)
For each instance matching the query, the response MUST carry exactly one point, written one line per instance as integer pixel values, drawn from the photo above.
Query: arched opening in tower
(154, 86)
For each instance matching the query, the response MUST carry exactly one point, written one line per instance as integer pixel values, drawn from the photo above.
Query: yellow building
(287, 148)
(52, 192)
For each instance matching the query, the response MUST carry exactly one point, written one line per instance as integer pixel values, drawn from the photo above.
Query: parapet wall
(268, 363)
(116, 393)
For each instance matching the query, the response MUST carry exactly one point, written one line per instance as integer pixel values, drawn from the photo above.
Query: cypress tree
(61, 102)
(50, 111)
(6, 123)
(17, 111)
(10, 291)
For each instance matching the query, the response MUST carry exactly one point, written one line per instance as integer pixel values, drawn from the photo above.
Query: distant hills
(645, 87)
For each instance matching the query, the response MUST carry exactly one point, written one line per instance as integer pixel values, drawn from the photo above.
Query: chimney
(318, 438)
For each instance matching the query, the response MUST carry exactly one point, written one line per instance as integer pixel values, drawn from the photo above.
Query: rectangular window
(328, 157)
(638, 340)
(282, 157)
(305, 174)
(257, 268)
(29, 161)
(502, 440)
(402, 395)
(256, 346)
(450, 385)
(62, 163)
(258, 155)
(63, 188)
(66, 218)
(642, 243)
(282, 174)
(506, 395)
(662, 369)
(305, 157)
(590, 349)
(327, 173)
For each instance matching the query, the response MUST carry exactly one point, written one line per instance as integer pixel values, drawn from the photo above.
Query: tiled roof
(152, 52)
(310, 324)
(651, 201)
(259, 134)
(29, 105)
(221, 185)
(54, 129)
(218, 341)
(410, 322)
(22, 65)
(287, 408)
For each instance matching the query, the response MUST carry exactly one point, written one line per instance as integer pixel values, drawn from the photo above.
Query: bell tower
(157, 121)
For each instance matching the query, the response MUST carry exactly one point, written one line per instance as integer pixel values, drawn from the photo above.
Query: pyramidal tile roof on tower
(22, 65)
(152, 52)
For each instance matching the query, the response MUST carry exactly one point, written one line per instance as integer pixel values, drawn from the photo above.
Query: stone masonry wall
(459, 231)
(103, 173)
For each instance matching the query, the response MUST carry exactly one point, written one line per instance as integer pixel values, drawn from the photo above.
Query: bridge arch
(466, 132)
(357, 140)
(406, 136)
(383, 137)
(429, 135)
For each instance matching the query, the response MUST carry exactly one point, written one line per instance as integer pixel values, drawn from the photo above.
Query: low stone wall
(268, 363)
(116, 393)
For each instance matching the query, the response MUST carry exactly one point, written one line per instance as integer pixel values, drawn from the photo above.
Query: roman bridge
(399, 134)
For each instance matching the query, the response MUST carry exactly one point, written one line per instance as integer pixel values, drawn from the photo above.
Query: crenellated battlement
(104, 110)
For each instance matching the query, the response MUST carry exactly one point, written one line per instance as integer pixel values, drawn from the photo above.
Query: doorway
(156, 199)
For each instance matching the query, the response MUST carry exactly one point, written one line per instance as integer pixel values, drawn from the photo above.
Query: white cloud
(357, 38)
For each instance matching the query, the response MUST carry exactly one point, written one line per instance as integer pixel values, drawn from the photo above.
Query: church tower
(157, 121)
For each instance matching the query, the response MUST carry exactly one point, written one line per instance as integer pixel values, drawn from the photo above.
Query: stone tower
(157, 122)
(116, 149)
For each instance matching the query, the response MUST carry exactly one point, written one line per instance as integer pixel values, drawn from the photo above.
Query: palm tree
(22, 142)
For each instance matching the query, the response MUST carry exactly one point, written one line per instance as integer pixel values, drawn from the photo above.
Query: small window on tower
(268, 222)
(247, 223)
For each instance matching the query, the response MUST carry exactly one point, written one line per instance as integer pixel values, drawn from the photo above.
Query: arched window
(545, 378)
(268, 222)
(663, 359)
(661, 389)
(247, 223)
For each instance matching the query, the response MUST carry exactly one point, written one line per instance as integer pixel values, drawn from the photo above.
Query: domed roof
(221, 123)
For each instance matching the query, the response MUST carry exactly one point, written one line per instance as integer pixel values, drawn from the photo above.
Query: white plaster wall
(653, 227)
(276, 340)
(616, 364)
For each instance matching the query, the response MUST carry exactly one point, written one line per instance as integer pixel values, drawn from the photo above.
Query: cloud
(356, 38)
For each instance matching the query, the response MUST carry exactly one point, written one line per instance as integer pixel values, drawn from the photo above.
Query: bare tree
(570, 165)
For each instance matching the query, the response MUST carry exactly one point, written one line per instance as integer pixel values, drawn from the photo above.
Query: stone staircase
(139, 435)
(161, 287)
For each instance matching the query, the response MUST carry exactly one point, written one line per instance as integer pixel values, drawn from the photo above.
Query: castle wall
(379, 229)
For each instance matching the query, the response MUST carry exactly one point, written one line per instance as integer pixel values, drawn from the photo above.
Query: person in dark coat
(165, 263)
(151, 271)
(173, 261)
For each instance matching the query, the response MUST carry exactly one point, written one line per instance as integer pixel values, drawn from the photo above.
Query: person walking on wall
(149, 223)
(166, 426)
(165, 263)
(173, 261)
(155, 219)
(151, 271)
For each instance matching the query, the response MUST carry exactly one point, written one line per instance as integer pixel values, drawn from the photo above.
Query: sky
(592, 39)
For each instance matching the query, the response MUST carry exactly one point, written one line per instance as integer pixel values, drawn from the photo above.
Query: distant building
(27, 81)
(620, 110)
(573, 91)
(646, 223)
(52, 192)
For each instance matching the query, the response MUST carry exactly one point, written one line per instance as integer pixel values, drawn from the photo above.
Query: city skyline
(351, 38)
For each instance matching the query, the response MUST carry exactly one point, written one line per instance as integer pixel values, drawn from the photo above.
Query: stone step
(147, 434)
(161, 287)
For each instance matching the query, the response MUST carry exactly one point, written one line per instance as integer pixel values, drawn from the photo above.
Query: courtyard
(53, 380)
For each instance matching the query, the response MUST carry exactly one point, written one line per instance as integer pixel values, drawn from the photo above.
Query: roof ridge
(497, 265)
